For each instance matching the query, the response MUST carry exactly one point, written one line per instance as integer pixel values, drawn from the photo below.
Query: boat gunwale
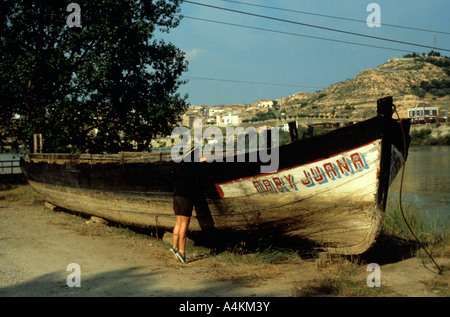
(166, 157)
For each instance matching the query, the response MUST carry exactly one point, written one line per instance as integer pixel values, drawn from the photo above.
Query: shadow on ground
(129, 282)
(387, 249)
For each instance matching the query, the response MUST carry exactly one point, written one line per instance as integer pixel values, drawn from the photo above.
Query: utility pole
(446, 109)
(37, 143)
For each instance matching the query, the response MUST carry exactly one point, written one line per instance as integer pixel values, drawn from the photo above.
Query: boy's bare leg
(183, 229)
(176, 233)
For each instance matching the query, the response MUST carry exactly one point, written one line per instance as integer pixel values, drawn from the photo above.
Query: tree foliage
(107, 86)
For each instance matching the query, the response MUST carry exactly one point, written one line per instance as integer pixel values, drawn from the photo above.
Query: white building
(265, 103)
(285, 126)
(214, 111)
(423, 113)
(227, 120)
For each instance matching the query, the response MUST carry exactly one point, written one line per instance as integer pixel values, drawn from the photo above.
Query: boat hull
(330, 190)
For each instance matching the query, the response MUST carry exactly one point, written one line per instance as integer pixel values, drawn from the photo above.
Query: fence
(10, 167)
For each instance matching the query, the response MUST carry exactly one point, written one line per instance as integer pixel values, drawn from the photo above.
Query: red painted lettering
(357, 161)
(290, 180)
(307, 181)
(258, 186)
(317, 174)
(268, 186)
(343, 166)
(279, 184)
(330, 170)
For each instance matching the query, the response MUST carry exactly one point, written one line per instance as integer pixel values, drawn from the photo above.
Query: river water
(426, 184)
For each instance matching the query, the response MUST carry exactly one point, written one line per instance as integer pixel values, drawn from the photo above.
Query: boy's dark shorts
(182, 206)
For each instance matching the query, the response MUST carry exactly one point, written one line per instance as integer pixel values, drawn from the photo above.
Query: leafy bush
(439, 88)
(421, 136)
(425, 137)
(419, 92)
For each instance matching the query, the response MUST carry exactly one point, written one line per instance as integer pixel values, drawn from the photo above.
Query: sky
(231, 64)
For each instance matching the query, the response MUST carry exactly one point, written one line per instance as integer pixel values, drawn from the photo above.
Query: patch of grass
(439, 285)
(394, 224)
(241, 269)
(249, 269)
(340, 279)
(435, 238)
(260, 256)
(24, 194)
(277, 256)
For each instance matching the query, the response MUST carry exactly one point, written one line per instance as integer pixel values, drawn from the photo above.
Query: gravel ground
(37, 245)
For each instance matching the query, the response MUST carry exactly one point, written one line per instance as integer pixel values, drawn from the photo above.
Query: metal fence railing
(10, 167)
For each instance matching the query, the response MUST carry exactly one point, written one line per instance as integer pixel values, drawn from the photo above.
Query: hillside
(411, 81)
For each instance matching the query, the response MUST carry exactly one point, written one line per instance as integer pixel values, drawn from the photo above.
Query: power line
(334, 17)
(295, 34)
(315, 26)
(250, 82)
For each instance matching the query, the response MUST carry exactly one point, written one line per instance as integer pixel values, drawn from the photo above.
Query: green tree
(107, 86)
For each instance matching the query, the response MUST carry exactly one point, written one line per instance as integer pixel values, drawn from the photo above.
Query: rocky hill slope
(411, 81)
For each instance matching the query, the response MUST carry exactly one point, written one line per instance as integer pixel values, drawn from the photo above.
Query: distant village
(226, 116)
(229, 115)
(267, 114)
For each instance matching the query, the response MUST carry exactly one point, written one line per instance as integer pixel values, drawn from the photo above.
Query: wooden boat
(330, 189)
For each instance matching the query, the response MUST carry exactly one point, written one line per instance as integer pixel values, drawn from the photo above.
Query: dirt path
(37, 245)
